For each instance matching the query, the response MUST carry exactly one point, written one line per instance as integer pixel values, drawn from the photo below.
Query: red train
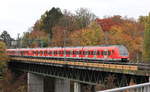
(95, 53)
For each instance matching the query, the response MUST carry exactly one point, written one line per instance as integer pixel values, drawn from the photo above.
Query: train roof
(75, 47)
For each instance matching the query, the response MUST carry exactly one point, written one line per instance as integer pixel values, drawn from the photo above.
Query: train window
(62, 52)
(50, 52)
(68, 52)
(32, 52)
(41, 52)
(84, 52)
(88, 52)
(21, 52)
(98, 53)
(94, 52)
(73, 52)
(104, 52)
(80, 52)
(77, 52)
(54, 52)
(45, 52)
(109, 53)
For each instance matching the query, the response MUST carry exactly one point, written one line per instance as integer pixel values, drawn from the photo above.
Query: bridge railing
(145, 87)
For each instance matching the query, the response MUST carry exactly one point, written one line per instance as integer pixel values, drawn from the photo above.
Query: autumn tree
(107, 23)
(41, 33)
(68, 21)
(35, 39)
(63, 28)
(3, 57)
(129, 34)
(92, 35)
(7, 83)
(84, 17)
(146, 51)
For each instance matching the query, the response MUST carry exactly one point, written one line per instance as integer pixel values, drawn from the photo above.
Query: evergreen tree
(49, 19)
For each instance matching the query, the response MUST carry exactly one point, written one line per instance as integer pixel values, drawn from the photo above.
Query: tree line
(82, 28)
(57, 28)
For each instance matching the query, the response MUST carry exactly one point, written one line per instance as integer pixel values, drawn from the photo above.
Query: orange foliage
(107, 23)
(93, 35)
(129, 34)
(59, 34)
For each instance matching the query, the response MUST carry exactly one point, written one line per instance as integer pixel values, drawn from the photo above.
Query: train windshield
(123, 51)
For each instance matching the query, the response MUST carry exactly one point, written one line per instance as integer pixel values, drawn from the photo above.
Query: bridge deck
(118, 68)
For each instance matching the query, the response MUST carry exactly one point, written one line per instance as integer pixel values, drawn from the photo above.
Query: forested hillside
(63, 28)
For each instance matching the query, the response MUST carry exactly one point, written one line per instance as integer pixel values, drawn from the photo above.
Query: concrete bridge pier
(77, 87)
(35, 83)
(62, 85)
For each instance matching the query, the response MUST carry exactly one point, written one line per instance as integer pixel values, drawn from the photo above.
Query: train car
(87, 53)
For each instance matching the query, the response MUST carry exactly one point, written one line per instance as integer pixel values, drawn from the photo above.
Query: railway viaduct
(58, 73)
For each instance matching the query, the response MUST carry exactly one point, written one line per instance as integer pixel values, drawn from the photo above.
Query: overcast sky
(16, 16)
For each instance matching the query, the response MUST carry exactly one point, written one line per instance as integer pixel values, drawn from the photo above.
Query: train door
(105, 54)
(85, 53)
